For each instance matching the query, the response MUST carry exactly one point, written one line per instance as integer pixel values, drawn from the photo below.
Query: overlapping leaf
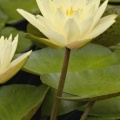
(65, 106)
(9, 7)
(106, 110)
(89, 85)
(17, 101)
(91, 56)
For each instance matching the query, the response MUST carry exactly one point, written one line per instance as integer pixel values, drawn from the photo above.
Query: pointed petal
(30, 18)
(10, 38)
(45, 9)
(14, 67)
(14, 46)
(45, 24)
(2, 42)
(89, 11)
(5, 55)
(99, 13)
(72, 30)
(103, 25)
(96, 2)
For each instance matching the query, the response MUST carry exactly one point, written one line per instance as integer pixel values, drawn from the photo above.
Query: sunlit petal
(99, 13)
(72, 30)
(103, 24)
(14, 67)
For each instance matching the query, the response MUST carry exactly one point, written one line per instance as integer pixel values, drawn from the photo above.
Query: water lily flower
(9, 68)
(70, 23)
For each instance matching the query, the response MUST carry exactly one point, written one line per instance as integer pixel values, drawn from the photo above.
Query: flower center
(70, 11)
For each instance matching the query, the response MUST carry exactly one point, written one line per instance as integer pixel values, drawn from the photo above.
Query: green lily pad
(9, 8)
(18, 101)
(90, 85)
(3, 19)
(91, 56)
(23, 42)
(106, 110)
(65, 106)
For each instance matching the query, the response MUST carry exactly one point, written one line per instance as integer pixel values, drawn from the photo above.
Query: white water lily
(8, 68)
(70, 23)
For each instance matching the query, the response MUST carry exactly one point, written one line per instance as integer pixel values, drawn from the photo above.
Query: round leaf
(91, 56)
(16, 101)
(89, 85)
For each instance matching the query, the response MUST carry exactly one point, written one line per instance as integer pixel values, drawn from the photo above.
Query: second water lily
(9, 67)
(70, 23)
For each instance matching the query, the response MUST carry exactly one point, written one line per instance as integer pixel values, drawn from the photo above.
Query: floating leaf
(3, 19)
(9, 8)
(16, 101)
(65, 106)
(91, 56)
(89, 85)
(111, 109)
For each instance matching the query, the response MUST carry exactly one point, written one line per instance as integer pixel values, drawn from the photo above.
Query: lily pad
(17, 101)
(9, 8)
(111, 110)
(90, 85)
(65, 106)
(3, 19)
(91, 56)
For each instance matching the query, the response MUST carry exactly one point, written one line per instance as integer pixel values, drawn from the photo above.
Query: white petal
(95, 2)
(44, 23)
(30, 18)
(14, 46)
(14, 67)
(66, 4)
(89, 11)
(108, 17)
(10, 38)
(78, 44)
(85, 26)
(56, 37)
(99, 13)
(2, 42)
(72, 30)
(44, 7)
(100, 28)
(57, 3)
(59, 20)
(80, 4)
(5, 55)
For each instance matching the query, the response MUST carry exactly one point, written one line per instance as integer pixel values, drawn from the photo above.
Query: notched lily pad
(90, 85)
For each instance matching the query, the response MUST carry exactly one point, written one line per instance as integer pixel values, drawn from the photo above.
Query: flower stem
(87, 110)
(60, 85)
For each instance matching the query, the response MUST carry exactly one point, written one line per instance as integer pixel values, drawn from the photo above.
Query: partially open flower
(8, 68)
(70, 23)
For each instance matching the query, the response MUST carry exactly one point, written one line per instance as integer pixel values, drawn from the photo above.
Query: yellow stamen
(69, 12)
